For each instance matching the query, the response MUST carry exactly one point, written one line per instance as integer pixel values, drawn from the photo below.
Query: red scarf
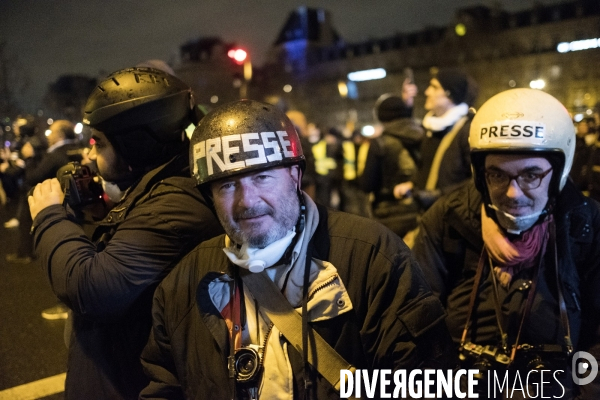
(516, 254)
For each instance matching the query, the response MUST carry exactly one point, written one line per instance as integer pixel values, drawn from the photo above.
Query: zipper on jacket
(576, 301)
(573, 295)
(264, 343)
(322, 286)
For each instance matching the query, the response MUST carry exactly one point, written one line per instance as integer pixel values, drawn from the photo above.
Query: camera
(78, 184)
(248, 364)
(528, 357)
(541, 357)
(483, 358)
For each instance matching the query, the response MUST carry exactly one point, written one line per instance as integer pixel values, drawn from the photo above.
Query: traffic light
(237, 55)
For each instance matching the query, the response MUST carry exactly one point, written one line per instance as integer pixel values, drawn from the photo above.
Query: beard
(284, 217)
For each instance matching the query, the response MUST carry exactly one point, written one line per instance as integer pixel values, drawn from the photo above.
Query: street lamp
(537, 84)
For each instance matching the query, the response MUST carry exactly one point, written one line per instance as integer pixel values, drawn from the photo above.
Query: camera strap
(473, 297)
(276, 306)
(564, 316)
(498, 312)
(499, 320)
(529, 302)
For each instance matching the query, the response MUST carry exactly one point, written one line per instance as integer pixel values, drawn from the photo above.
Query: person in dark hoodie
(392, 160)
(138, 118)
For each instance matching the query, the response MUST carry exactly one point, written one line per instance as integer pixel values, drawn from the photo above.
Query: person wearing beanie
(444, 164)
(392, 158)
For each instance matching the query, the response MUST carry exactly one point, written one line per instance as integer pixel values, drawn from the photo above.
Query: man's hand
(402, 190)
(45, 194)
(409, 91)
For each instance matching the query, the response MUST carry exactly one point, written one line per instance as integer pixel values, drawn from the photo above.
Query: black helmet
(143, 112)
(243, 136)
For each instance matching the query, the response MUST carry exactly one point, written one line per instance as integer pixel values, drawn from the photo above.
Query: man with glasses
(514, 256)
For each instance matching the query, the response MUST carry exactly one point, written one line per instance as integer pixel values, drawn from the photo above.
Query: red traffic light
(238, 55)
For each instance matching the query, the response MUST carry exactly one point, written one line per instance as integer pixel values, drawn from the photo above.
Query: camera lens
(483, 366)
(247, 363)
(536, 363)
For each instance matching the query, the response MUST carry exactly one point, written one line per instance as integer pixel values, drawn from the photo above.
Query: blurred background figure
(353, 199)
(444, 158)
(392, 160)
(592, 168)
(329, 164)
(299, 120)
(584, 142)
(63, 148)
(20, 157)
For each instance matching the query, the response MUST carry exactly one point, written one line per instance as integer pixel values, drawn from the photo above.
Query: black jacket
(108, 282)
(455, 167)
(395, 322)
(392, 159)
(448, 248)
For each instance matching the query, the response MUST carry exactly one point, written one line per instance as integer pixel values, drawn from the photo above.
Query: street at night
(299, 199)
(31, 348)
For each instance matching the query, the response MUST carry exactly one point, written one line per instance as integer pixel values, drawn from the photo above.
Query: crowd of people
(266, 253)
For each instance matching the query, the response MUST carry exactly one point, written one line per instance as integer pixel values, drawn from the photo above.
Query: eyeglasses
(525, 180)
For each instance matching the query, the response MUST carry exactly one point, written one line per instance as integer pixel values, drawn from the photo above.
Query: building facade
(555, 46)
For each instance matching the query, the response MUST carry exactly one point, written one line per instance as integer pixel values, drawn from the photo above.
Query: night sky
(49, 38)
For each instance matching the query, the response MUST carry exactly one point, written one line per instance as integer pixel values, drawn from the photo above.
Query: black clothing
(581, 158)
(108, 281)
(448, 248)
(328, 156)
(592, 176)
(394, 323)
(391, 159)
(455, 167)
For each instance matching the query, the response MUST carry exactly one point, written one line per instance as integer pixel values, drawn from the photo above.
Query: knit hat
(459, 87)
(390, 107)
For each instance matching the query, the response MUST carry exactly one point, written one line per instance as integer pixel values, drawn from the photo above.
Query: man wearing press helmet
(514, 256)
(352, 280)
(137, 117)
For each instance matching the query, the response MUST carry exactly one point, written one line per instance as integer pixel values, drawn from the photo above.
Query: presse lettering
(237, 151)
(512, 131)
